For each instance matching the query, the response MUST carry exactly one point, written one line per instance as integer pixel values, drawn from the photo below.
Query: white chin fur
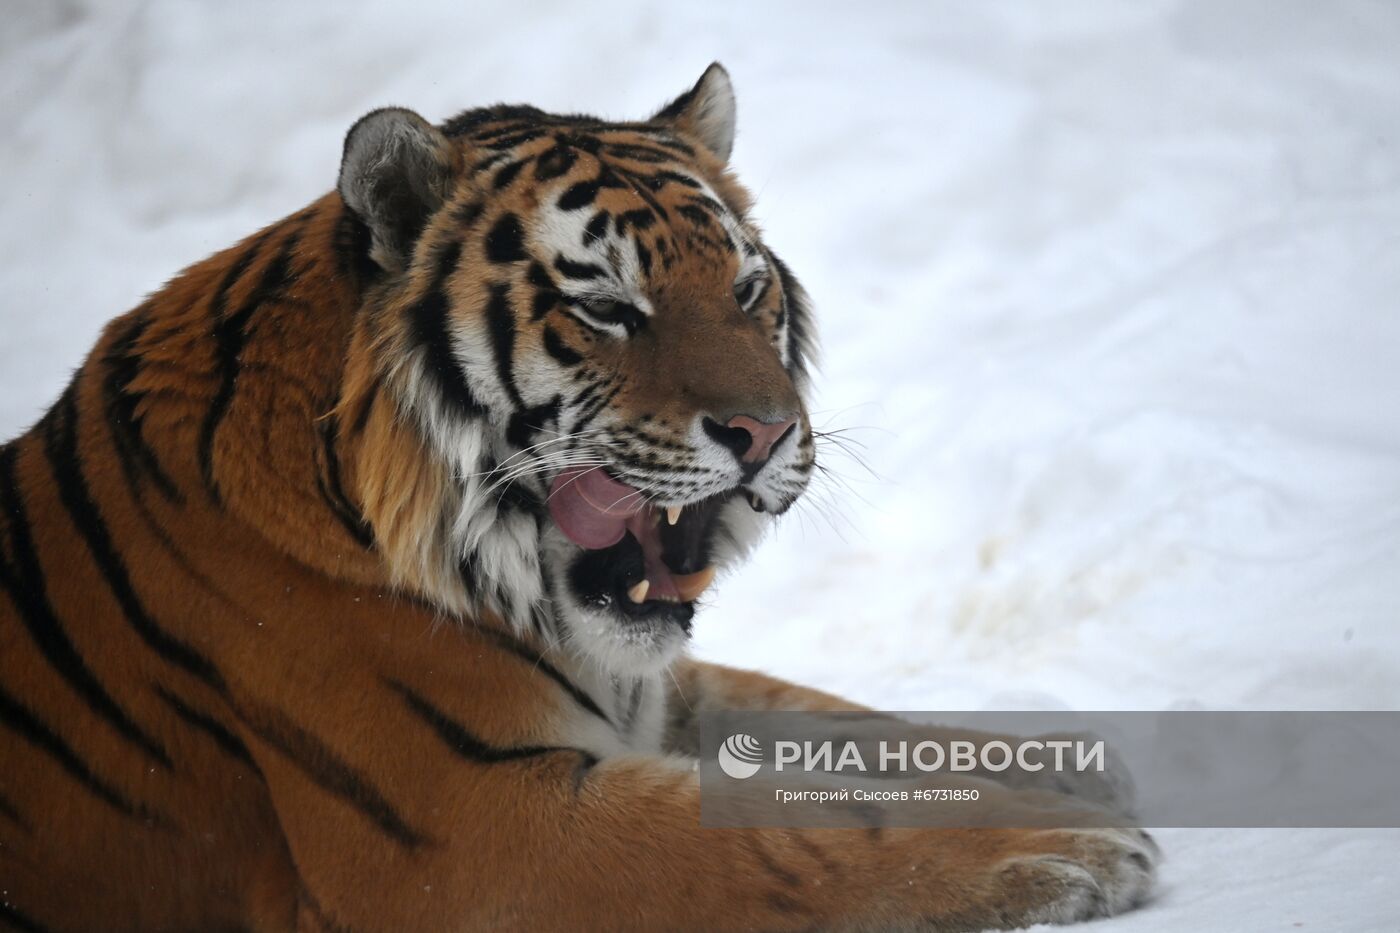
(623, 648)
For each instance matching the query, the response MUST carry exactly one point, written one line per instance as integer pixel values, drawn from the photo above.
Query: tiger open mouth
(646, 560)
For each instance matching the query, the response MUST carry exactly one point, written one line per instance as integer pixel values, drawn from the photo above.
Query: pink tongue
(592, 508)
(594, 511)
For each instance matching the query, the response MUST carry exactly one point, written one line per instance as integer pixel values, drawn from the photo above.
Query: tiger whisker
(541, 466)
(559, 464)
(560, 439)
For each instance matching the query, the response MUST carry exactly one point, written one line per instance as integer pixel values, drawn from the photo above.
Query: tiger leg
(700, 686)
(556, 844)
(444, 819)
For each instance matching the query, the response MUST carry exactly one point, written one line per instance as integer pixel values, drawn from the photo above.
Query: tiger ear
(394, 175)
(706, 111)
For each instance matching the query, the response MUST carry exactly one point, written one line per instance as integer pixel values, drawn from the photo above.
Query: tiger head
(601, 359)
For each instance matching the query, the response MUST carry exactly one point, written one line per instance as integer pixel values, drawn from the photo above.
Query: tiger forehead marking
(623, 218)
(612, 220)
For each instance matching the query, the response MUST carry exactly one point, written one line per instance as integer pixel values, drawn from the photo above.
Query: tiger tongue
(592, 508)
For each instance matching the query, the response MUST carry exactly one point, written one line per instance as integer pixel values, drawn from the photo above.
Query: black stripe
(796, 312)
(210, 726)
(641, 185)
(11, 812)
(428, 319)
(506, 175)
(538, 276)
(554, 345)
(506, 240)
(508, 119)
(539, 615)
(524, 424)
(666, 175)
(352, 243)
(230, 335)
(61, 448)
(491, 121)
(26, 585)
(578, 138)
(784, 875)
(515, 139)
(515, 497)
(469, 569)
(636, 153)
(469, 213)
(586, 763)
(490, 162)
(578, 270)
(553, 163)
(32, 729)
(333, 491)
(500, 319)
(696, 215)
(537, 662)
(463, 742)
(580, 194)
(428, 324)
(829, 868)
(327, 923)
(596, 227)
(641, 218)
(138, 461)
(446, 257)
(546, 296)
(218, 306)
(634, 705)
(330, 773)
(707, 203)
(671, 142)
(587, 393)
(595, 408)
(11, 915)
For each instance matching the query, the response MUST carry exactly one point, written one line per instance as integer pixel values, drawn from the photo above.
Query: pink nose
(752, 440)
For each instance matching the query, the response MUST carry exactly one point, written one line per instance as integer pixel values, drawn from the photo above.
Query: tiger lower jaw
(597, 621)
(597, 615)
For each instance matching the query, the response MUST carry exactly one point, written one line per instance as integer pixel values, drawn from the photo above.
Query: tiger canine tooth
(692, 585)
(673, 514)
(638, 593)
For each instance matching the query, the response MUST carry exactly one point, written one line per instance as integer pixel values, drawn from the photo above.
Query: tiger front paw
(1072, 875)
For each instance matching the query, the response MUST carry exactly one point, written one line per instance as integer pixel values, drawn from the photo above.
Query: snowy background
(1110, 296)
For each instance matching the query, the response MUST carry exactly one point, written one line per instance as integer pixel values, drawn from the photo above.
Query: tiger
(348, 585)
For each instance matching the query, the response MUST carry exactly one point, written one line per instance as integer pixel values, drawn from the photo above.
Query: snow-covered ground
(1110, 298)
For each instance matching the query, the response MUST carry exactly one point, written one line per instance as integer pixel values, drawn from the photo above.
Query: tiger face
(589, 331)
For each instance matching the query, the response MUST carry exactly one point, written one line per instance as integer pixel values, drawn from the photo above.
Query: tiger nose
(749, 439)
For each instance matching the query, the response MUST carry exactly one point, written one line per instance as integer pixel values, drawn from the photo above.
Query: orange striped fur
(246, 683)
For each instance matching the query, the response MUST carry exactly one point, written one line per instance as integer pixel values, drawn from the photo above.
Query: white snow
(1108, 294)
